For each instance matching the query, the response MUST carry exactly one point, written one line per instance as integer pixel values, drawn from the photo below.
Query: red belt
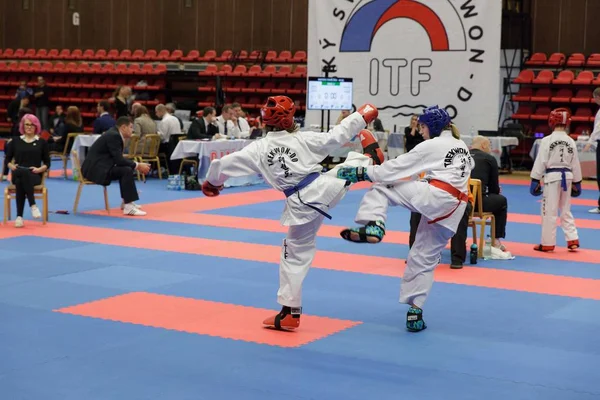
(446, 187)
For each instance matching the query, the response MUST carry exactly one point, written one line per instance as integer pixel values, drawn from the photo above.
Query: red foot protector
(203, 317)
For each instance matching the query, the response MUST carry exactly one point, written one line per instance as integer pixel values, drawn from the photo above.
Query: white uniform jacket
(595, 135)
(443, 158)
(557, 150)
(284, 159)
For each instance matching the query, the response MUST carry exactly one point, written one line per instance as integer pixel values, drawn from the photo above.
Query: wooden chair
(186, 160)
(64, 155)
(39, 192)
(150, 154)
(84, 182)
(479, 217)
(134, 150)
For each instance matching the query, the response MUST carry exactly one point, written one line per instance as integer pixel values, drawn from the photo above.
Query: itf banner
(404, 55)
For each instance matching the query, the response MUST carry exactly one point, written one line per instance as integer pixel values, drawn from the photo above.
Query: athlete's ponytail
(455, 131)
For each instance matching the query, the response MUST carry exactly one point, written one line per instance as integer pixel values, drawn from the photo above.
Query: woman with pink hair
(29, 160)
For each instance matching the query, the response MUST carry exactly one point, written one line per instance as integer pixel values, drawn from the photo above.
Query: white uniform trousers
(299, 246)
(555, 198)
(430, 239)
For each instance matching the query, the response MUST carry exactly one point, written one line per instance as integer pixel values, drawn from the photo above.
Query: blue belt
(563, 176)
(310, 178)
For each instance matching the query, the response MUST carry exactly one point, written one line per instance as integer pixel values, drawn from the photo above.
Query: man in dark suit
(204, 127)
(105, 121)
(105, 163)
(486, 170)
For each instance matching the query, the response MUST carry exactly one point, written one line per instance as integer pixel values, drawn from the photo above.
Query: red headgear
(560, 116)
(279, 112)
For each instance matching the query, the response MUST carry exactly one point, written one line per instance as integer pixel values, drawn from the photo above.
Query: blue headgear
(436, 120)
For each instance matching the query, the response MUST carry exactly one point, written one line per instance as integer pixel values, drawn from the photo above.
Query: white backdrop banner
(404, 55)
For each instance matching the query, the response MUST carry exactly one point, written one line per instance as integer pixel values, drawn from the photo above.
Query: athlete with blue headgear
(440, 197)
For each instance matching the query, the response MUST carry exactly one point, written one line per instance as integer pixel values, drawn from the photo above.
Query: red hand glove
(211, 190)
(369, 112)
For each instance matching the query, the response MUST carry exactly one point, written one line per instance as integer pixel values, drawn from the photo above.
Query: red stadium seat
(112, 55)
(269, 71)
(192, 56)
(163, 55)
(283, 57)
(76, 54)
(564, 78)
(525, 76)
(88, 55)
(562, 96)
(583, 96)
(541, 113)
(30, 54)
(299, 56)
(536, 59)
(64, 54)
(100, 55)
(576, 60)
(254, 70)
(150, 55)
(524, 94)
(583, 114)
(593, 60)
(41, 54)
(137, 55)
(176, 55)
(299, 72)
(225, 56)
(556, 60)
(544, 77)
(125, 55)
(210, 55)
(239, 70)
(271, 56)
(283, 71)
(584, 78)
(252, 87)
(267, 88)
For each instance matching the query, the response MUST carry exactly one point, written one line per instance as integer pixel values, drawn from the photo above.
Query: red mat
(228, 321)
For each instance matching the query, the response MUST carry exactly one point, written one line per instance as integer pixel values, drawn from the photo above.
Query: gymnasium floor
(169, 306)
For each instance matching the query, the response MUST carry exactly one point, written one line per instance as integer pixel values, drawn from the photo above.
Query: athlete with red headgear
(289, 160)
(558, 163)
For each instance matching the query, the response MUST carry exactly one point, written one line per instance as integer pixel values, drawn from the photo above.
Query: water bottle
(487, 248)
(472, 134)
(474, 253)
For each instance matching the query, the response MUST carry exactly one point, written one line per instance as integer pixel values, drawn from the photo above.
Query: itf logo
(444, 28)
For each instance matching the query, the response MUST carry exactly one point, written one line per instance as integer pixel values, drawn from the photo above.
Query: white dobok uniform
(558, 164)
(445, 159)
(285, 160)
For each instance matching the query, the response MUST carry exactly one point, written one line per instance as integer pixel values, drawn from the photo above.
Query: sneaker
(287, 319)
(130, 209)
(19, 222)
(35, 212)
(456, 265)
(594, 211)
(135, 205)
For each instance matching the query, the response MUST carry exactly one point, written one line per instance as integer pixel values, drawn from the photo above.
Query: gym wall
(155, 24)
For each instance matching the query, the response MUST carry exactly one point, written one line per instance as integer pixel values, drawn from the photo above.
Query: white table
(81, 143)
(207, 151)
(587, 159)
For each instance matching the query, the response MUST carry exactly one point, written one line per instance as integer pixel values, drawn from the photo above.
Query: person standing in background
(595, 139)
(42, 100)
(412, 134)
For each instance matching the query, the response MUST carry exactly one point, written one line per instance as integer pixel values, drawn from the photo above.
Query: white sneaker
(135, 205)
(19, 222)
(131, 209)
(594, 211)
(35, 212)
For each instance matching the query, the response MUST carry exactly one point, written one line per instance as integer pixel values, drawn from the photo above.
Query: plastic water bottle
(487, 248)
(473, 254)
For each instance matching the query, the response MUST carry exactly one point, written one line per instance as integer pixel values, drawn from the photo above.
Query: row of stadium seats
(546, 94)
(84, 68)
(556, 60)
(249, 103)
(566, 77)
(270, 56)
(83, 82)
(269, 87)
(541, 113)
(284, 71)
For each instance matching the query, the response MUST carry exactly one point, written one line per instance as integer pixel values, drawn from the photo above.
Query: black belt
(310, 178)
